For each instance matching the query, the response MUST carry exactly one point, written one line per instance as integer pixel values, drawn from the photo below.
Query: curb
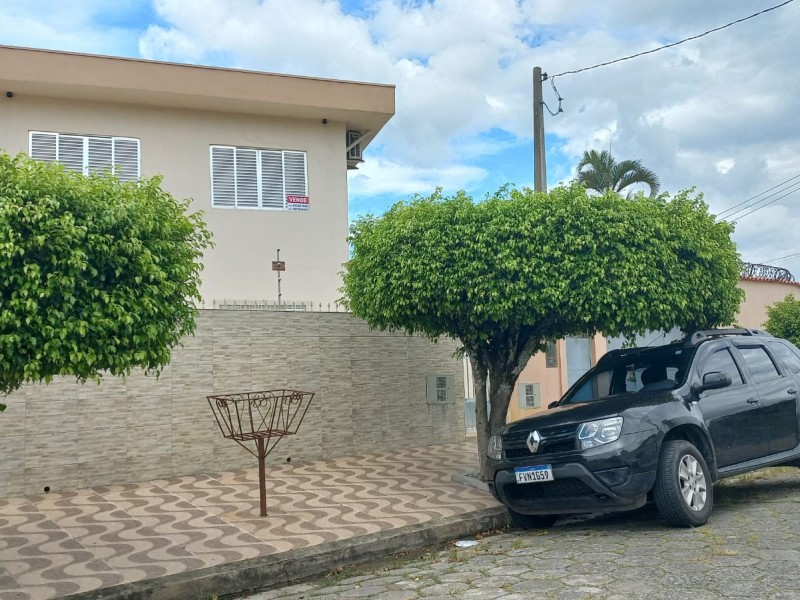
(472, 481)
(285, 568)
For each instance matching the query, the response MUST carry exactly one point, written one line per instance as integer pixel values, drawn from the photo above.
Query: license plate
(533, 474)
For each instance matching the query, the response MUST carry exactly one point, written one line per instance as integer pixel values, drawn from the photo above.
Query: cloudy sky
(721, 113)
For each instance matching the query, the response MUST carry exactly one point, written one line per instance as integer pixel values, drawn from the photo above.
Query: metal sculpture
(261, 417)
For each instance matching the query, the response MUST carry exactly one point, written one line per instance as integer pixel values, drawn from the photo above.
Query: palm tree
(600, 172)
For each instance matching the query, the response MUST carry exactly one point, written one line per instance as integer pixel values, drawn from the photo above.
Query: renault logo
(533, 441)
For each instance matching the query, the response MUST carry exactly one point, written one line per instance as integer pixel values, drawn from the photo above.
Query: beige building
(265, 156)
(760, 293)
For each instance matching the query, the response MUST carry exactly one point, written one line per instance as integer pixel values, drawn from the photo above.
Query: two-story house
(265, 156)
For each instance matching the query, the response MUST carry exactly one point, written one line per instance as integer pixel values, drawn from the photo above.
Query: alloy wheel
(692, 482)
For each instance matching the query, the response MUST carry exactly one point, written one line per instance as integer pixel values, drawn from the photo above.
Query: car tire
(684, 492)
(532, 521)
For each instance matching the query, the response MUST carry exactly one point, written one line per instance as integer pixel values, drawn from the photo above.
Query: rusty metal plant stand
(263, 417)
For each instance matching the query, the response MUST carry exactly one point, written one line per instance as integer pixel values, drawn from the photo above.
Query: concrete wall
(176, 143)
(370, 394)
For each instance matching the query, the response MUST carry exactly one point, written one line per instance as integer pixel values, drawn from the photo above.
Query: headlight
(597, 433)
(495, 450)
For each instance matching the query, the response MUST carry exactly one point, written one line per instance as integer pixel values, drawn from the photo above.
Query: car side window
(721, 360)
(786, 356)
(759, 362)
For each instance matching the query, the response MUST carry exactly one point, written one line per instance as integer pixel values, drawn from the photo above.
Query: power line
(719, 216)
(739, 218)
(694, 37)
(780, 258)
(737, 215)
(733, 216)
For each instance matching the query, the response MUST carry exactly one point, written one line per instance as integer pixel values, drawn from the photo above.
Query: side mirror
(552, 404)
(713, 381)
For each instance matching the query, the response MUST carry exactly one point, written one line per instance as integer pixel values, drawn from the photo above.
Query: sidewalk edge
(289, 567)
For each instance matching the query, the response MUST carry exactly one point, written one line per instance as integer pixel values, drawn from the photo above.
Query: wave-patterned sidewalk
(60, 544)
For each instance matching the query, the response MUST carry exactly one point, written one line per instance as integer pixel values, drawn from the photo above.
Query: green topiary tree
(783, 319)
(97, 275)
(506, 275)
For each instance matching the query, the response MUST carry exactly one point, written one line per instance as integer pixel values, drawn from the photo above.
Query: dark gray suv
(664, 422)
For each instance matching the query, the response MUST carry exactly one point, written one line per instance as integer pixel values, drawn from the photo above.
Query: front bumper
(599, 480)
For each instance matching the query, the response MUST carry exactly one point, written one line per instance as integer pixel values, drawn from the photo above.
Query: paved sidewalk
(200, 535)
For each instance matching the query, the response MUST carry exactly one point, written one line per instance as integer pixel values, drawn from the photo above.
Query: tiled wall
(370, 394)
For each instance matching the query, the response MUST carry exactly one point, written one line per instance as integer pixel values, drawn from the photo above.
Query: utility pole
(539, 166)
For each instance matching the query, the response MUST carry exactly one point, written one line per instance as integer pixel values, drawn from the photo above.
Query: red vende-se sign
(297, 202)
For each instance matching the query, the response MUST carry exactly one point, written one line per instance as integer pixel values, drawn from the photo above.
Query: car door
(774, 391)
(780, 397)
(734, 415)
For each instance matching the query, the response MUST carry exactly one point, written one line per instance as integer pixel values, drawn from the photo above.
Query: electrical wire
(740, 217)
(763, 202)
(694, 37)
(737, 214)
(558, 97)
(727, 210)
(780, 258)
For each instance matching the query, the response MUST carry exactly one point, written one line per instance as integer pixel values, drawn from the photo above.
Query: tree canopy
(599, 171)
(783, 319)
(97, 275)
(507, 274)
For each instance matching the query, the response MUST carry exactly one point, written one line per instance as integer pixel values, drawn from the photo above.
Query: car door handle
(791, 391)
(752, 400)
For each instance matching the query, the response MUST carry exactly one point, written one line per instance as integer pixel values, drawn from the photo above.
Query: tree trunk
(500, 388)
(498, 371)
(481, 417)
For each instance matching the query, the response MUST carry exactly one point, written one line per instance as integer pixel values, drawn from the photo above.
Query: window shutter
(294, 173)
(101, 155)
(246, 178)
(272, 195)
(431, 389)
(258, 178)
(223, 177)
(529, 395)
(44, 146)
(126, 159)
(70, 152)
(440, 389)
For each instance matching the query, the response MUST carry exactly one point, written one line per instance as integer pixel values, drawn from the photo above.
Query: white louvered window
(258, 178)
(88, 153)
(440, 389)
(530, 395)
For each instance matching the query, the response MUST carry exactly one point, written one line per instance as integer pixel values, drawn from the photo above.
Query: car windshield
(651, 370)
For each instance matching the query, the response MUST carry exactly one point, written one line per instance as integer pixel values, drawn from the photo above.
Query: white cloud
(724, 165)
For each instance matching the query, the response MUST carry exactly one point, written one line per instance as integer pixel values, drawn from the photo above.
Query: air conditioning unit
(353, 147)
